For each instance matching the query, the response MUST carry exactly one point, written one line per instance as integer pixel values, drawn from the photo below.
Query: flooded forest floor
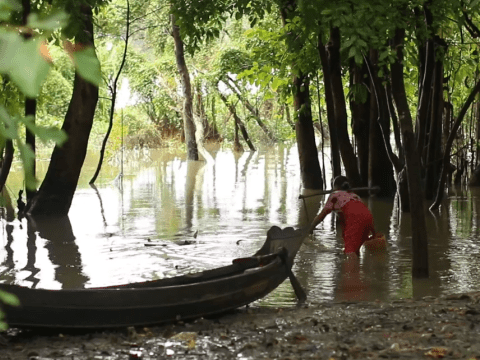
(445, 327)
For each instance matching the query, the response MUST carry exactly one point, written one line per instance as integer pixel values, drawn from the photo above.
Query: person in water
(355, 218)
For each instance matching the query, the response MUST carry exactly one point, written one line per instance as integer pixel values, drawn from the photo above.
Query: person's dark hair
(341, 182)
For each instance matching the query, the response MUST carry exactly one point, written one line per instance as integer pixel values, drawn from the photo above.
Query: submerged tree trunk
(238, 124)
(434, 146)
(250, 108)
(56, 192)
(307, 151)
(30, 107)
(426, 70)
(6, 162)
(200, 126)
(380, 169)
(360, 120)
(346, 150)
(412, 160)
(332, 127)
(448, 147)
(188, 124)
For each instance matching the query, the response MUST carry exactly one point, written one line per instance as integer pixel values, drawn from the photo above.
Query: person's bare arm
(318, 219)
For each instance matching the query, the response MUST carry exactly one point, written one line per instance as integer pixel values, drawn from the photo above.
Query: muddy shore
(446, 327)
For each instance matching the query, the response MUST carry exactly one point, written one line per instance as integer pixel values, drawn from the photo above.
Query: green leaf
(45, 134)
(9, 43)
(275, 83)
(50, 23)
(29, 69)
(6, 8)
(88, 66)
(10, 130)
(352, 52)
(9, 299)
(28, 157)
(358, 58)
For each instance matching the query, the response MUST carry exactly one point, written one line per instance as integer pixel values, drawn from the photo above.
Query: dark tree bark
(30, 106)
(393, 116)
(340, 108)
(307, 150)
(434, 149)
(382, 103)
(188, 124)
(448, 146)
(332, 127)
(426, 70)
(6, 162)
(360, 120)
(56, 192)
(113, 91)
(380, 169)
(419, 229)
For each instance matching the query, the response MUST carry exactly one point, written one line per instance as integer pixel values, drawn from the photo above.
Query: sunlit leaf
(9, 299)
(9, 43)
(30, 68)
(87, 65)
(45, 134)
(50, 23)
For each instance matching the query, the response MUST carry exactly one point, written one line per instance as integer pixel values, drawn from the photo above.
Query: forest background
(391, 87)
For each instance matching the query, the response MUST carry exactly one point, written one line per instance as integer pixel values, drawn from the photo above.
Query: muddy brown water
(166, 216)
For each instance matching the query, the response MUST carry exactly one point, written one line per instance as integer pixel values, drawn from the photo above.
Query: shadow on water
(62, 251)
(171, 216)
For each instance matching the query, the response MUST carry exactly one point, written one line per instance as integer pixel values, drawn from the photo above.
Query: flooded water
(167, 216)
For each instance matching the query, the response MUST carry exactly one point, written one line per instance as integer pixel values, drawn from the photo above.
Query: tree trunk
(113, 89)
(380, 169)
(200, 121)
(332, 127)
(360, 120)
(30, 107)
(56, 192)
(6, 163)
(188, 124)
(419, 229)
(432, 163)
(426, 70)
(307, 150)
(448, 147)
(340, 109)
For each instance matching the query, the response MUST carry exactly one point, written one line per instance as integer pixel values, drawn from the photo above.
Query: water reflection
(133, 227)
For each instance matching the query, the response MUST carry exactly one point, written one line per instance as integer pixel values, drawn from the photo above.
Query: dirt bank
(446, 327)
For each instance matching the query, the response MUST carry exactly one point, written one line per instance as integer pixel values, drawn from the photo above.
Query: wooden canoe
(167, 300)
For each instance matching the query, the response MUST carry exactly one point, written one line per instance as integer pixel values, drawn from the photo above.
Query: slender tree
(113, 91)
(186, 88)
(56, 192)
